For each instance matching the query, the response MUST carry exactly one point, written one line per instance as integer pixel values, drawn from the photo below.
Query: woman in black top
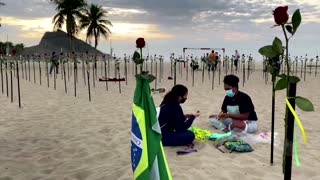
(237, 109)
(173, 122)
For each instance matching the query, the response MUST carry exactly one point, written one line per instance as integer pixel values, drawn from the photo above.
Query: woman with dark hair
(237, 109)
(173, 122)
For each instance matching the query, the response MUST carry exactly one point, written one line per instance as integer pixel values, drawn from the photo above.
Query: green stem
(141, 65)
(286, 57)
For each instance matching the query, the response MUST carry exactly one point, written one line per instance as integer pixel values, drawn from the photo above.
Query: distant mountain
(59, 41)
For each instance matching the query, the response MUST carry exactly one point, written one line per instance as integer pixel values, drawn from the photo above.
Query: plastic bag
(263, 137)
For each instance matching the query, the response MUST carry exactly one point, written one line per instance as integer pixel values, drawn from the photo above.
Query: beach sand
(56, 136)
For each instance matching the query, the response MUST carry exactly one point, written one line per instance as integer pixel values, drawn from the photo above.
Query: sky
(170, 25)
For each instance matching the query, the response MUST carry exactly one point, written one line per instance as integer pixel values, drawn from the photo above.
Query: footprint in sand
(82, 174)
(70, 150)
(6, 178)
(47, 171)
(45, 160)
(80, 155)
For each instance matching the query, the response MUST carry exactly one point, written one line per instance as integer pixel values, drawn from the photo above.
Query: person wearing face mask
(237, 108)
(173, 122)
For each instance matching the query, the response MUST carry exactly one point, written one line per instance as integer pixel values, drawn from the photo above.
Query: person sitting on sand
(237, 108)
(173, 122)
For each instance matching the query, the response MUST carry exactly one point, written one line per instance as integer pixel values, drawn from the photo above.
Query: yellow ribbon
(298, 121)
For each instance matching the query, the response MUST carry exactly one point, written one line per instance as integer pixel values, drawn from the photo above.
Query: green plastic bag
(238, 145)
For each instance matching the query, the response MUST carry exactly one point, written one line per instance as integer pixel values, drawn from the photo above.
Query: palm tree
(68, 13)
(94, 19)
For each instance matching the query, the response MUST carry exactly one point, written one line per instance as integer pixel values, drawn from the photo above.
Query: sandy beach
(57, 136)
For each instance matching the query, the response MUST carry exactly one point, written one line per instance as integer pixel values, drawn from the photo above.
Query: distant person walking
(54, 63)
(236, 59)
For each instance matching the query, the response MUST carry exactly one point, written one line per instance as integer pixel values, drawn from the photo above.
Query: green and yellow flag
(147, 153)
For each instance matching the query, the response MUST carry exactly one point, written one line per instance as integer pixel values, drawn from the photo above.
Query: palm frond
(94, 19)
(58, 21)
(104, 21)
(68, 13)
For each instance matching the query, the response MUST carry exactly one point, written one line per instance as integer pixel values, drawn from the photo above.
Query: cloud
(28, 8)
(34, 24)
(169, 22)
(241, 36)
(125, 31)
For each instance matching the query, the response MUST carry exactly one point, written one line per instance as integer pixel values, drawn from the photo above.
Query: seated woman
(237, 108)
(173, 122)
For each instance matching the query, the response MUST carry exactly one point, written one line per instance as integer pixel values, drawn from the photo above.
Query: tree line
(12, 48)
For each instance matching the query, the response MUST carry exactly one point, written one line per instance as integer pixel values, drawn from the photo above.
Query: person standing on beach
(216, 61)
(237, 108)
(54, 63)
(212, 58)
(236, 59)
(173, 122)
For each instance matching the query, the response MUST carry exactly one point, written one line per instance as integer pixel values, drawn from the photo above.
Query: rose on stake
(273, 53)
(138, 58)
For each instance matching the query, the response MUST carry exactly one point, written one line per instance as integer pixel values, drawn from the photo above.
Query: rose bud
(281, 15)
(140, 43)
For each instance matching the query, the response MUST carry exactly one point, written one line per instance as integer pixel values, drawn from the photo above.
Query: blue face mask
(229, 93)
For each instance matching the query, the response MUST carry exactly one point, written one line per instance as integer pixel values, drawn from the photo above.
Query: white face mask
(230, 93)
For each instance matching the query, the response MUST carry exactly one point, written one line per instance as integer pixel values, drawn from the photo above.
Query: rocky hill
(59, 41)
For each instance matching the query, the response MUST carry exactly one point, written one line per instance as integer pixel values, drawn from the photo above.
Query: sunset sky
(170, 25)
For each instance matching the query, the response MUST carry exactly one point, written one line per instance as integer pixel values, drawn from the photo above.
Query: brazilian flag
(147, 153)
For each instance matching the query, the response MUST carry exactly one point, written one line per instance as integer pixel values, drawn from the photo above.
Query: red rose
(140, 43)
(281, 15)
